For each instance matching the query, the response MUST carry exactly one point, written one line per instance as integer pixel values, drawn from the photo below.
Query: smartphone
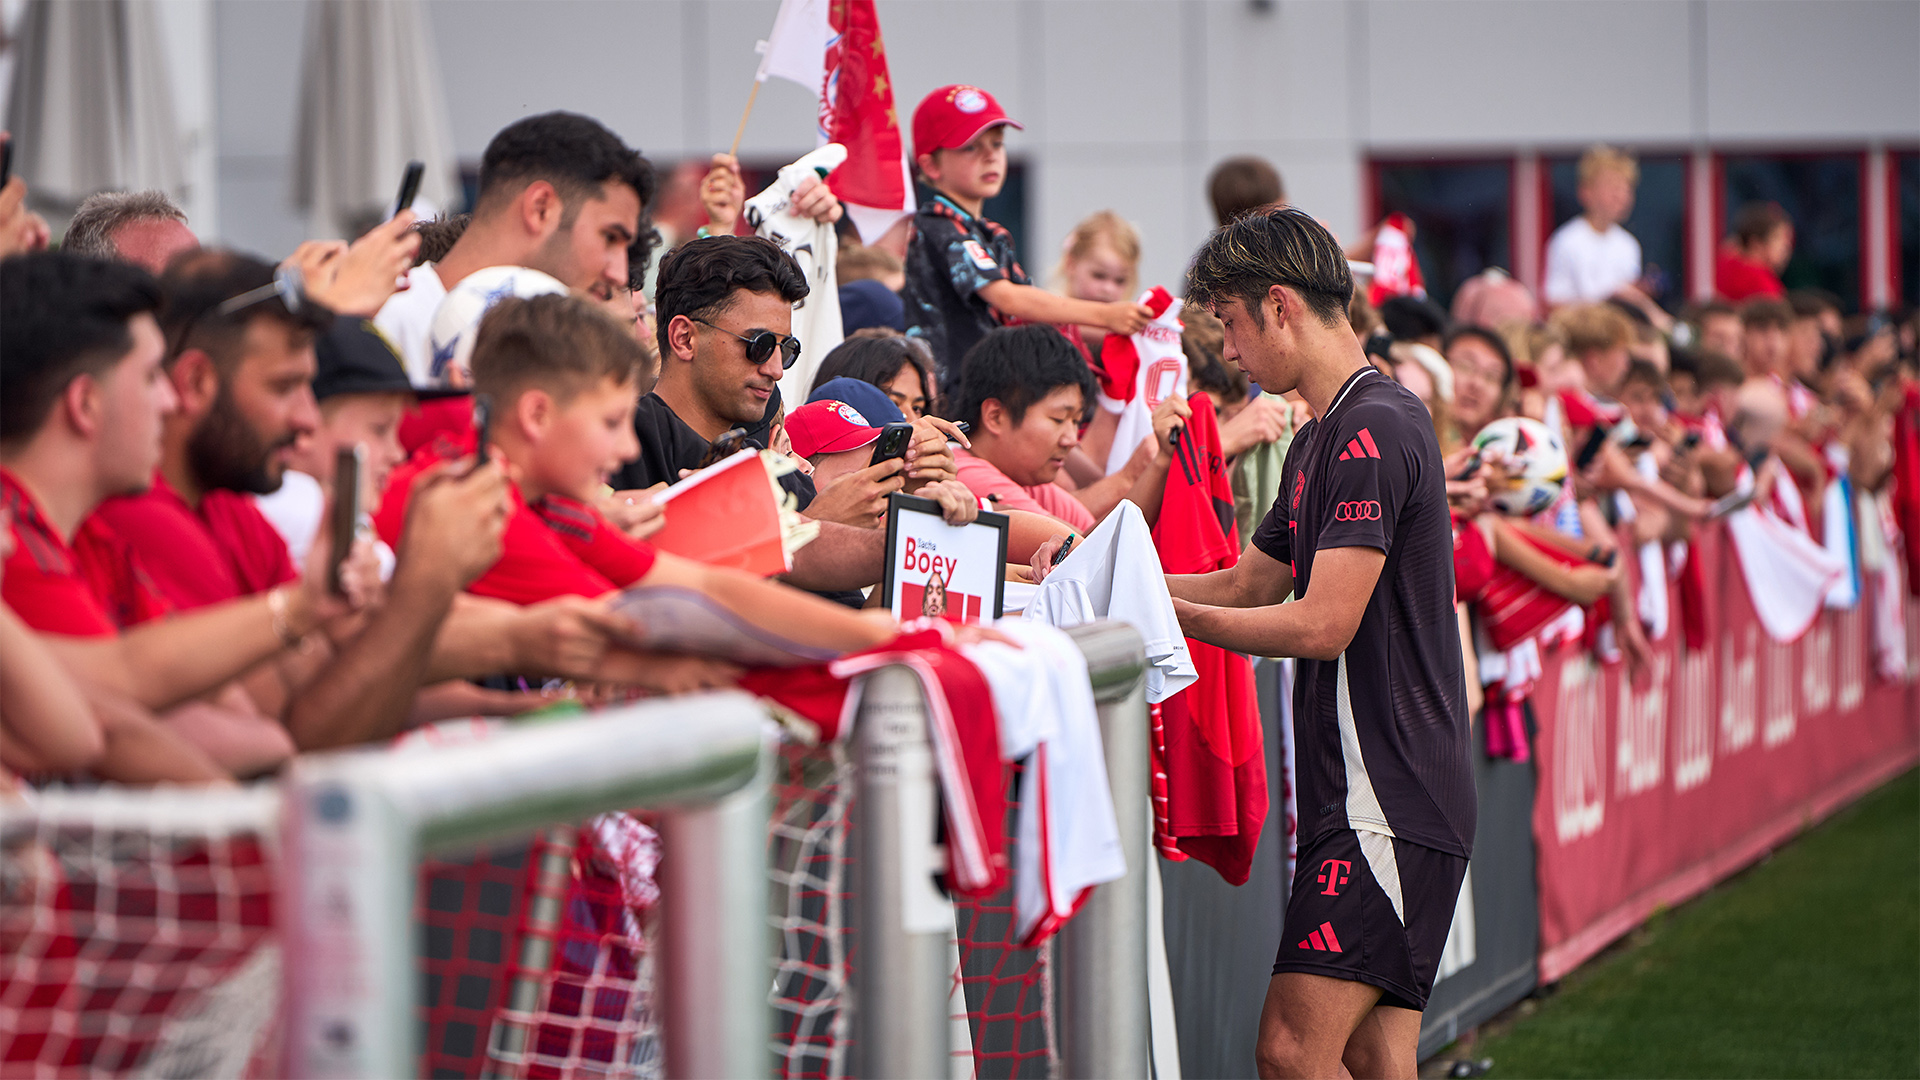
(1473, 467)
(345, 519)
(964, 427)
(483, 426)
(6, 161)
(892, 443)
(1061, 555)
(409, 187)
(1596, 439)
(728, 444)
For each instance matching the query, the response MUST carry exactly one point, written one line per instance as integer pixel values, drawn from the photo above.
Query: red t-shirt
(1210, 745)
(46, 584)
(1736, 278)
(224, 550)
(556, 547)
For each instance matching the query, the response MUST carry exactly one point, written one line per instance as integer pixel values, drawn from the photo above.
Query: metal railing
(901, 980)
(357, 824)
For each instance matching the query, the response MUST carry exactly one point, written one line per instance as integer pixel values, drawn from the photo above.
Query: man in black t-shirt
(1360, 534)
(725, 309)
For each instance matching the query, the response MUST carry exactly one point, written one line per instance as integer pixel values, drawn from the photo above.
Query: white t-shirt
(1114, 573)
(1069, 837)
(1584, 266)
(407, 317)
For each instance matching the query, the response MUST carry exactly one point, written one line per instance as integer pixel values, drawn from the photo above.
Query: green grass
(1808, 964)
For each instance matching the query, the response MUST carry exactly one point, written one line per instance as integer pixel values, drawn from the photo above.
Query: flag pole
(734, 150)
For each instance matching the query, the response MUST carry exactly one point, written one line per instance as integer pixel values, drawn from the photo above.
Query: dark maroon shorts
(1373, 909)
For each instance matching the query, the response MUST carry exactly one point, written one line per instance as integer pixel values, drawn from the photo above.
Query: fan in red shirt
(81, 357)
(241, 364)
(1750, 261)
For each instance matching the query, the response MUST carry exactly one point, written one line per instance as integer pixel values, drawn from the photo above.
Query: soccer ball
(1534, 458)
(456, 322)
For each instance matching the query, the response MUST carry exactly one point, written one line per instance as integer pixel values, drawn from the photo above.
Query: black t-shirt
(1382, 732)
(668, 445)
(952, 255)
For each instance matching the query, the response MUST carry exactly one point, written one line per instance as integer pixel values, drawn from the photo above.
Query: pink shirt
(984, 480)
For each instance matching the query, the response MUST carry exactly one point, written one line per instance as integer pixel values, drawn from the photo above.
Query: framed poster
(957, 572)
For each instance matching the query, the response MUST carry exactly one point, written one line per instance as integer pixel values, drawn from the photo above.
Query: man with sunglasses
(725, 310)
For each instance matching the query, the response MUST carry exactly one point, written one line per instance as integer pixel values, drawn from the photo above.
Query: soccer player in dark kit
(1360, 535)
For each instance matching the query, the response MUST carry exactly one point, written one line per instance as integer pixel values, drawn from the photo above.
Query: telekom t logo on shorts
(1333, 874)
(1368, 510)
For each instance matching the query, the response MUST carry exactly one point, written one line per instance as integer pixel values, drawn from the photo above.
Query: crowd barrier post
(901, 922)
(357, 823)
(1102, 956)
(716, 1018)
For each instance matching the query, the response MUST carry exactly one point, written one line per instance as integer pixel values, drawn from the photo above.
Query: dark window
(1658, 221)
(1009, 208)
(1906, 248)
(1821, 193)
(1460, 212)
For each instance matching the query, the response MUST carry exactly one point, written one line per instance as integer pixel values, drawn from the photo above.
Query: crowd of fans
(173, 415)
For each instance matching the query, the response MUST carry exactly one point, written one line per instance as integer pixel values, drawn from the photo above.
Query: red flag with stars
(833, 48)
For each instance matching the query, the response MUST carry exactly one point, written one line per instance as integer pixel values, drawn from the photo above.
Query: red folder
(726, 515)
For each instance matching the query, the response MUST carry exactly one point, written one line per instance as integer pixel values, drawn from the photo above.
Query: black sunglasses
(288, 286)
(761, 343)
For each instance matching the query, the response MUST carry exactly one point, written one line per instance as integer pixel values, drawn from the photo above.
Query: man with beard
(240, 361)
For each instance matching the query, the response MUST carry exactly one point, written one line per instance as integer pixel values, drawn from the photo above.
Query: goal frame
(356, 824)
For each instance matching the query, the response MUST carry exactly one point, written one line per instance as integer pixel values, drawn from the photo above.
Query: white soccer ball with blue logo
(1534, 458)
(456, 322)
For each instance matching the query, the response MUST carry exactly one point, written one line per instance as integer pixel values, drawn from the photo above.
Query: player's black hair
(62, 316)
(1018, 366)
(699, 279)
(1488, 338)
(574, 153)
(1410, 318)
(1284, 246)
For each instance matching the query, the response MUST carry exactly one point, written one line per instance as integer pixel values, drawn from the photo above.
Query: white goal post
(358, 822)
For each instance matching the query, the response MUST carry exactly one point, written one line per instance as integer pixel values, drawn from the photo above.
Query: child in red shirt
(564, 380)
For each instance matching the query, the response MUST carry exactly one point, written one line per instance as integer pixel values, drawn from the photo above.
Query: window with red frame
(1905, 166)
(1823, 194)
(1461, 211)
(1658, 220)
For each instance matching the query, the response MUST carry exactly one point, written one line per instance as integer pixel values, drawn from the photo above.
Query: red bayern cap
(954, 116)
(828, 427)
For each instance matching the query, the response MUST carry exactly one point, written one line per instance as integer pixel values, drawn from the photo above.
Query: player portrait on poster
(951, 572)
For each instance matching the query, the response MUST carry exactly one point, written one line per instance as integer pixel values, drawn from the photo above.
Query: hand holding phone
(344, 521)
(482, 426)
(409, 187)
(892, 443)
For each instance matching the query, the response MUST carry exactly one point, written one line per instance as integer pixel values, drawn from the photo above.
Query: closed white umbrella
(91, 105)
(371, 100)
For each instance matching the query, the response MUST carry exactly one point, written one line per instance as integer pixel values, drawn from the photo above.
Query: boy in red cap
(962, 277)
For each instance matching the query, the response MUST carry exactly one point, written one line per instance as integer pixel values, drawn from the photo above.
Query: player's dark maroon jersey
(1382, 730)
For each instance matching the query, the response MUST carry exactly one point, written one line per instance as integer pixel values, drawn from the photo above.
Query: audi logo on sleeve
(1357, 511)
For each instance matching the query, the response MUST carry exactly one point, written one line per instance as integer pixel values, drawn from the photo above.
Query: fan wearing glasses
(725, 310)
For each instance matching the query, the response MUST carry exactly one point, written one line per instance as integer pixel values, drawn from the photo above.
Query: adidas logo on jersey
(1323, 940)
(1360, 446)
